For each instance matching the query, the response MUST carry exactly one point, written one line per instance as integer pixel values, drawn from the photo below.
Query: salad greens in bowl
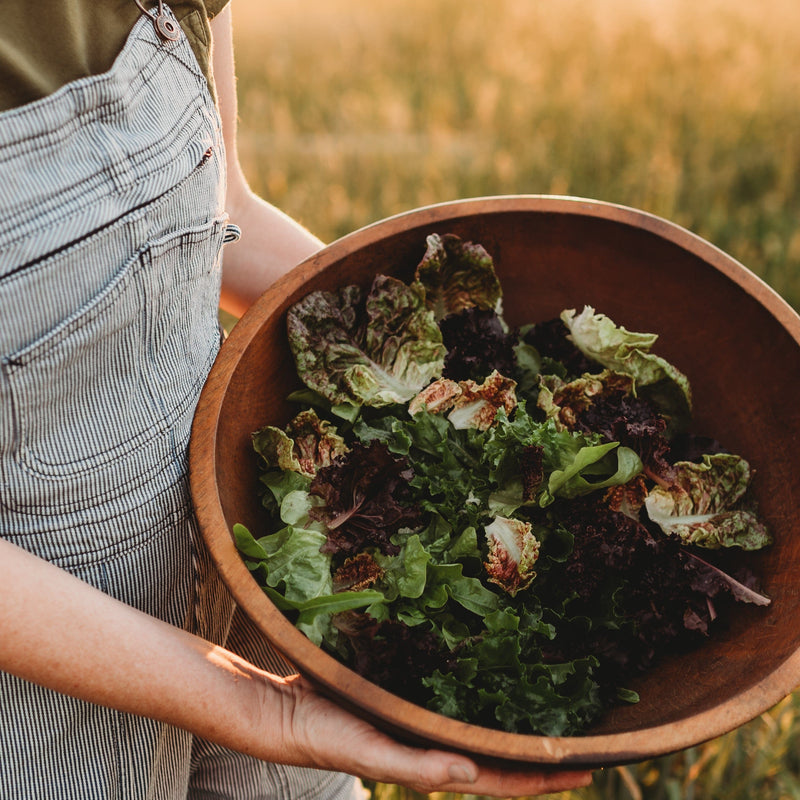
(518, 465)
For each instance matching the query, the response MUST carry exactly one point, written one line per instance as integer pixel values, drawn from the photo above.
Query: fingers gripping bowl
(736, 340)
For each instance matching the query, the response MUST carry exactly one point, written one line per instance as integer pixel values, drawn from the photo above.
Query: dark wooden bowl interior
(738, 342)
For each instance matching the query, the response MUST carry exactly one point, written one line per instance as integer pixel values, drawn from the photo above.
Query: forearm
(61, 633)
(271, 244)
(65, 635)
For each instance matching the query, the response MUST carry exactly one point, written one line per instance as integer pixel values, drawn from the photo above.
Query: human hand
(332, 738)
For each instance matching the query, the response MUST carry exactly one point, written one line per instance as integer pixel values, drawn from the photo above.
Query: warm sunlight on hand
(336, 739)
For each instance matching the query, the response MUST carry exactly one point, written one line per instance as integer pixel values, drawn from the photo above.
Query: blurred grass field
(351, 111)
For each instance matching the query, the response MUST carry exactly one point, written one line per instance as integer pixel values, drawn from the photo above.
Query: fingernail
(460, 773)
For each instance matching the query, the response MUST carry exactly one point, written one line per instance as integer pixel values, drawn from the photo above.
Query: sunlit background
(353, 110)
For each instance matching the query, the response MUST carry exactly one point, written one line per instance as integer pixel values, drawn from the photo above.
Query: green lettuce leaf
(405, 574)
(279, 483)
(573, 464)
(298, 578)
(290, 558)
(620, 350)
(376, 352)
(703, 506)
(448, 580)
(593, 467)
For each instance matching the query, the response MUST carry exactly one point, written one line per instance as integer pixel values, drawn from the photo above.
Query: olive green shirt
(47, 43)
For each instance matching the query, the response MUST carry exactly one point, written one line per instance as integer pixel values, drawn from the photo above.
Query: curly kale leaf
(500, 681)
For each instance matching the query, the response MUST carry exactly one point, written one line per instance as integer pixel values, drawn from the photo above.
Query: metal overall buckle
(165, 27)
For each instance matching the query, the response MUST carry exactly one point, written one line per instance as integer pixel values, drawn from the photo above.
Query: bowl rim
(408, 719)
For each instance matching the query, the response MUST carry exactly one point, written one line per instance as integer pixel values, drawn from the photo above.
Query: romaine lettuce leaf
(593, 467)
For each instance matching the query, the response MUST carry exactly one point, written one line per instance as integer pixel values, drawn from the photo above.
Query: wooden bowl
(739, 344)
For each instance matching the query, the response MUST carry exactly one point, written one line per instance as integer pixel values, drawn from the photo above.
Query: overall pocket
(98, 404)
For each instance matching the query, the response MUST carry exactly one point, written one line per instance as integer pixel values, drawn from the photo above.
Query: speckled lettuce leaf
(470, 404)
(513, 553)
(564, 401)
(306, 444)
(374, 352)
(705, 505)
(618, 349)
(455, 275)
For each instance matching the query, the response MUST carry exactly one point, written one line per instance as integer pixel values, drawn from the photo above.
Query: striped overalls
(112, 199)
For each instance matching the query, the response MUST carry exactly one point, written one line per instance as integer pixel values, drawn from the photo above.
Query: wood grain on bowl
(737, 341)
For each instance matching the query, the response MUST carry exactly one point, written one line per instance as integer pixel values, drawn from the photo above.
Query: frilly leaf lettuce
(477, 342)
(374, 352)
(455, 275)
(447, 480)
(703, 506)
(620, 350)
(496, 683)
(573, 464)
(364, 499)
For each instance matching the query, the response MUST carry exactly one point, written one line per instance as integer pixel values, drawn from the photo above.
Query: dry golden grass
(354, 110)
